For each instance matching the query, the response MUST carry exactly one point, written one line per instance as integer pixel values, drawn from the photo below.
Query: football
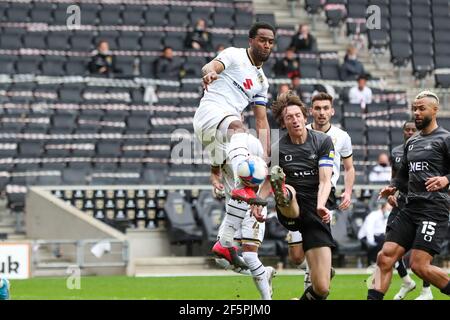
(252, 171)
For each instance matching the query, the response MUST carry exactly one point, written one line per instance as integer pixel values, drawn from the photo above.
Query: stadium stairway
(8, 224)
(382, 69)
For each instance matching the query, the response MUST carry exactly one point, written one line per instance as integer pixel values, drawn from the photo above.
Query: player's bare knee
(322, 288)
(385, 261)
(297, 256)
(236, 127)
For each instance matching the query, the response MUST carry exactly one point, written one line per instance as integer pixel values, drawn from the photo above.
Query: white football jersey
(255, 148)
(238, 85)
(342, 147)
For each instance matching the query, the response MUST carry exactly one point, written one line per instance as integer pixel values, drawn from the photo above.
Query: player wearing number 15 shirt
(422, 224)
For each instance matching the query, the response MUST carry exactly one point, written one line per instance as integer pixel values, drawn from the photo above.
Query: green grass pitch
(344, 287)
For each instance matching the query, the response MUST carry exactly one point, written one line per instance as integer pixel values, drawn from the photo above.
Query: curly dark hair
(284, 100)
(259, 25)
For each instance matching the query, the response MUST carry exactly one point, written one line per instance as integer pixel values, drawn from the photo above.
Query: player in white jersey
(239, 225)
(232, 81)
(322, 110)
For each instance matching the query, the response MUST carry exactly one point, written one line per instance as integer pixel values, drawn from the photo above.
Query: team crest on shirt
(312, 156)
(428, 147)
(398, 159)
(260, 78)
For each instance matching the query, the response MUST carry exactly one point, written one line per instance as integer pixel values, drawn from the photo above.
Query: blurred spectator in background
(282, 88)
(372, 231)
(165, 67)
(103, 62)
(219, 48)
(382, 172)
(296, 87)
(352, 67)
(288, 66)
(303, 40)
(360, 94)
(199, 38)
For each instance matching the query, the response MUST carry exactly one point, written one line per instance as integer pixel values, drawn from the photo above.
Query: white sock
(259, 274)
(426, 289)
(307, 279)
(235, 213)
(407, 279)
(237, 150)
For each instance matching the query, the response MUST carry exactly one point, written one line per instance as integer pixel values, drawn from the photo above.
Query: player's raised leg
(285, 195)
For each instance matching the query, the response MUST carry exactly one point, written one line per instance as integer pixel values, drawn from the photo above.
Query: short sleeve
(227, 57)
(326, 153)
(346, 149)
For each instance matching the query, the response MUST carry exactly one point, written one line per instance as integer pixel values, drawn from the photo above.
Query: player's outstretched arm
(349, 180)
(325, 173)
(211, 71)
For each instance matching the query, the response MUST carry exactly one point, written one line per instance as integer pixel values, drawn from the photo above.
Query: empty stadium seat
(182, 228)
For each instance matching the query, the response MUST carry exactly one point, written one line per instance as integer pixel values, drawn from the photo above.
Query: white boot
(406, 288)
(425, 294)
(270, 273)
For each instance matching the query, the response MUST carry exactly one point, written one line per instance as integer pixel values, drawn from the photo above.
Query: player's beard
(425, 123)
(260, 56)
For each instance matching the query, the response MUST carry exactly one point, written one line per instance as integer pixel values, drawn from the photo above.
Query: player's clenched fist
(209, 78)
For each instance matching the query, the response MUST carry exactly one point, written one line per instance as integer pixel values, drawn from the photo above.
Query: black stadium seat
(156, 15)
(182, 227)
(133, 14)
(42, 12)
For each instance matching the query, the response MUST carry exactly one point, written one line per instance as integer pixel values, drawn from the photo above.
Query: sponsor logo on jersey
(313, 172)
(239, 87)
(248, 83)
(418, 166)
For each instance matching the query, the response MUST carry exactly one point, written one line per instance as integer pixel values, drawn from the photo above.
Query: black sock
(309, 294)
(401, 269)
(426, 284)
(373, 294)
(446, 290)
